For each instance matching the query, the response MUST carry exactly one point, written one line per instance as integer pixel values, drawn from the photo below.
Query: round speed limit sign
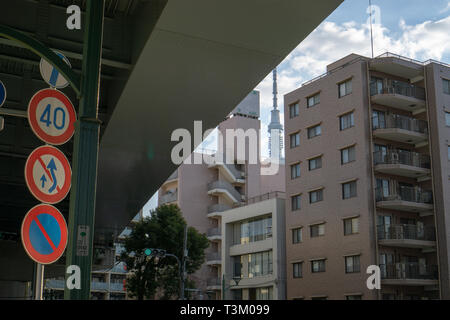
(52, 116)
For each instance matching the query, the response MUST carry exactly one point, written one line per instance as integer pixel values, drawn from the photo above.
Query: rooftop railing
(266, 196)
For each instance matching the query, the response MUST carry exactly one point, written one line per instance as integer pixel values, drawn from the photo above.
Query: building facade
(204, 192)
(367, 174)
(253, 250)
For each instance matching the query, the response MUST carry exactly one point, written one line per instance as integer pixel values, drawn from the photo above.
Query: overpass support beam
(85, 155)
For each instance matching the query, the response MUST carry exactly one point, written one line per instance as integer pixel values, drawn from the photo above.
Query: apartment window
(351, 226)
(259, 264)
(314, 131)
(352, 264)
(252, 230)
(295, 171)
(318, 266)
(319, 298)
(347, 121)
(295, 139)
(297, 272)
(295, 202)
(313, 100)
(316, 196)
(349, 190)
(317, 230)
(296, 235)
(378, 119)
(261, 293)
(348, 155)
(315, 163)
(345, 88)
(354, 297)
(446, 85)
(447, 119)
(294, 110)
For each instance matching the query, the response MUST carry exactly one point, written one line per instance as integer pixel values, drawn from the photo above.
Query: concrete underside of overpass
(165, 65)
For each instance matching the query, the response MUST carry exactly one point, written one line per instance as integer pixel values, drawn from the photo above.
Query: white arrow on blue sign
(2, 93)
(51, 75)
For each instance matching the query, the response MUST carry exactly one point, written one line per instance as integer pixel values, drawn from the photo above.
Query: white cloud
(332, 41)
(447, 8)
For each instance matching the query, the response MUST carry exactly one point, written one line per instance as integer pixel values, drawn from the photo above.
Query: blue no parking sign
(2, 93)
(44, 234)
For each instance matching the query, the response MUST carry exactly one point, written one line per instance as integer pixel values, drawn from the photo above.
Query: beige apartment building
(204, 192)
(368, 180)
(253, 249)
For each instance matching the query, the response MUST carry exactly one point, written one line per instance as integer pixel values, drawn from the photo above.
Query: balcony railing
(214, 232)
(406, 232)
(214, 256)
(410, 194)
(408, 158)
(117, 286)
(211, 282)
(218, 208)
(96, 285)
(169, 197)
(220, 184)
(398, 87)
(395, 121)
(411, 270)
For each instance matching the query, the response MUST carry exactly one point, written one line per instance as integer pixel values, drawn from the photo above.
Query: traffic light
(150, 252)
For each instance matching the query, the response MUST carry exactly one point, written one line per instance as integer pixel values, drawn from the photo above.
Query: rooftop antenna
(371, 26)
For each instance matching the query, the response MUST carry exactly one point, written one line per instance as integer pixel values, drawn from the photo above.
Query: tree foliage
(164, 229)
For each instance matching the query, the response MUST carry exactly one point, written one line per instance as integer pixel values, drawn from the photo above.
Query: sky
(418, 29)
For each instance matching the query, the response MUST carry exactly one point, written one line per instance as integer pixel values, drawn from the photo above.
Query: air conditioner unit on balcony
(394, 157)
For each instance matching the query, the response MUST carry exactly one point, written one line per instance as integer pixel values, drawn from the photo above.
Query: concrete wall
(438, 104)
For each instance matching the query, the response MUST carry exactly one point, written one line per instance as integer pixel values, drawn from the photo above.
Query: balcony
(223, 188)
(214, 234)
(407, 236)
(229, 171)
(215, 210)
(399, 95)
(117, 286)
(402, 163)
(400, 128)
(214, 284)
(411, 199)
(409, 274)
(214, 259)
(169, 197)
(99, 286)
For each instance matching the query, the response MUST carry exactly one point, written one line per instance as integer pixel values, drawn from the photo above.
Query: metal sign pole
(38, 285)
(85, 155)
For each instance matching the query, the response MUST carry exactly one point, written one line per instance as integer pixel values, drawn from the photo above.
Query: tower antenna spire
(371, 27)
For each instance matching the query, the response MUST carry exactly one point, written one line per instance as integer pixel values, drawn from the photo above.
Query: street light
(236, 279)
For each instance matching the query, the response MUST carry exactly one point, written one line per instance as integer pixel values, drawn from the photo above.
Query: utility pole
(185, 254)
(85, 155)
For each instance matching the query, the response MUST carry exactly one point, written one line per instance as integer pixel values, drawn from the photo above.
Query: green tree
(163, 229)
